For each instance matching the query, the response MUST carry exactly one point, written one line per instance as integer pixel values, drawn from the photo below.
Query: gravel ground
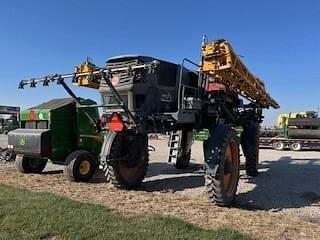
(281, 203)
(288, 182)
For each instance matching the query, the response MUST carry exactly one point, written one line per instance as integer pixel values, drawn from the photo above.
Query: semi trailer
(296, 131)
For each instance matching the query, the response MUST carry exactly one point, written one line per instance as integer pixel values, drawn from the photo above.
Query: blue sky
(280, 41)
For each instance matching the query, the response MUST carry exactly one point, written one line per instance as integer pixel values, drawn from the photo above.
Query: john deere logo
(22, 141)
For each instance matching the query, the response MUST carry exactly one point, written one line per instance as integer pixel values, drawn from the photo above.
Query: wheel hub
(84, 167)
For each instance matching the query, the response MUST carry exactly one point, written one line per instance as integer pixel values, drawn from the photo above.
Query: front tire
(29, 165)
(221, 153)
(80, 166)
(129, 161)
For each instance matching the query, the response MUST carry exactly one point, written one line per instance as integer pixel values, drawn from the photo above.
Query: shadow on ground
(51, 172)
(162, 176)
(286, 183)
(156, 168)
(283, 184)
(173, 184)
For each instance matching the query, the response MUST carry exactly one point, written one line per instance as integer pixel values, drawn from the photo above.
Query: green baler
(60, 131)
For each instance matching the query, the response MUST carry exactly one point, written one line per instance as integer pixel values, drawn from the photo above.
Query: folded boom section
(221, 63)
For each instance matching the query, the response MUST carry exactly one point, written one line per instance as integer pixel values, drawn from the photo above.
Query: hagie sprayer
(142, 95)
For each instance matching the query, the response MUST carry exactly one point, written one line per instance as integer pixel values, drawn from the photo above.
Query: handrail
(180, 78)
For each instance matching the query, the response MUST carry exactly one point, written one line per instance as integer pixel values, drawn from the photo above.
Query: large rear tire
(29, 165)
(128, 161)
(80, 166)
(221, 153)
(250, 147)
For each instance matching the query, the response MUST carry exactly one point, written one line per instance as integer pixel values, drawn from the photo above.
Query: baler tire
(25, 165)
(222, 147)
(80, 166)
(250, 147)
(115, 170)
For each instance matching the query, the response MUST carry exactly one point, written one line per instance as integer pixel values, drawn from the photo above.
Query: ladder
(174, 146)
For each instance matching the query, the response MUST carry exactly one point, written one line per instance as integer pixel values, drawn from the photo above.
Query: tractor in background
(8, 123)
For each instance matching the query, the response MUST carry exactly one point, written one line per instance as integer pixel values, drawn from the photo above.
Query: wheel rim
(84, 167)
(231, 166)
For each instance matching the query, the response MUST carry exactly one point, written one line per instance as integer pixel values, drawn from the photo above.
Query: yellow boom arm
(86, 80)
(221, 63)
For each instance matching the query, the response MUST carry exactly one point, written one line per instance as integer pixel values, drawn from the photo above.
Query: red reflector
(32, 116)
(216, 87)
(115, 123)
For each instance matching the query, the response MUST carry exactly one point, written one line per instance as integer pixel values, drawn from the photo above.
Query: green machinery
(63, 131)
(294, 130)
(11, 123)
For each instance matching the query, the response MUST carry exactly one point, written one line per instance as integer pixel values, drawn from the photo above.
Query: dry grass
(198, 211)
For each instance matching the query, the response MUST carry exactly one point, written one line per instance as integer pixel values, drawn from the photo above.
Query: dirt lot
(281, 203)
